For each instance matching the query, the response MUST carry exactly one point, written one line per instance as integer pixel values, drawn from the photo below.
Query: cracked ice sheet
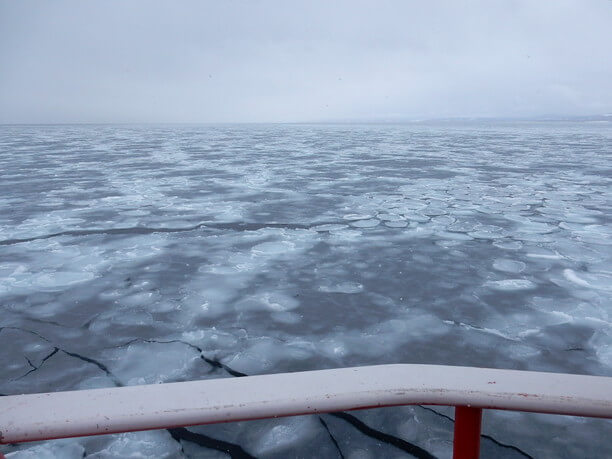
(461, 245)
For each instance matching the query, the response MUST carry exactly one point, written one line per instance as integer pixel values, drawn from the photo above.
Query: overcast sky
(225, 61)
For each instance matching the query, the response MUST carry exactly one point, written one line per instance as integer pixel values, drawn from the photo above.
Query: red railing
(35, 417)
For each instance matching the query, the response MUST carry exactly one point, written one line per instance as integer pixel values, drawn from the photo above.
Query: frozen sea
(149, 254)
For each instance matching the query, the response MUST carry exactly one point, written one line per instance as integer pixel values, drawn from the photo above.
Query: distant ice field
(150, 254)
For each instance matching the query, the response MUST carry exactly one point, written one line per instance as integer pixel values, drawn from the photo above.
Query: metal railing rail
(33, 417)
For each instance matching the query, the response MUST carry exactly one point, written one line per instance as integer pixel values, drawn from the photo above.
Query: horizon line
(534, 118)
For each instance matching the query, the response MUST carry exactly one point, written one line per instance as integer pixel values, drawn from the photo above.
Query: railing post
(466, 444)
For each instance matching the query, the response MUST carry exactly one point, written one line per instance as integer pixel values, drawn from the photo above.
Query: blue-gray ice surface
(140, 255)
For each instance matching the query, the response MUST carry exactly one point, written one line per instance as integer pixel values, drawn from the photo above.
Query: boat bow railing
(33, 417)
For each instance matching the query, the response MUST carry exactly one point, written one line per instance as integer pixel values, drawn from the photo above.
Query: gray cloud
(193, 61)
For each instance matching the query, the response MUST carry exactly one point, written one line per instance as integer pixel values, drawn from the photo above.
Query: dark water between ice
(124, 250)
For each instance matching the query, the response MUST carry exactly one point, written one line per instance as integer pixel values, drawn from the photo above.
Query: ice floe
(509, 266)
(511, 284)
(342, 287)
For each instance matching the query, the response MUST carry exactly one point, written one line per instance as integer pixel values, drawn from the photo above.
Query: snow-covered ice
(133, 255)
